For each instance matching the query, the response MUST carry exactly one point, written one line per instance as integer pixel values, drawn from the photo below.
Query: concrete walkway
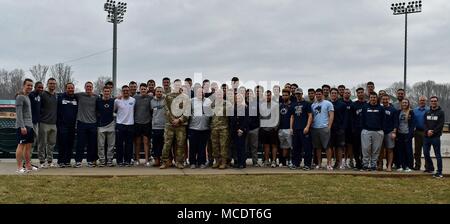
(8, 167)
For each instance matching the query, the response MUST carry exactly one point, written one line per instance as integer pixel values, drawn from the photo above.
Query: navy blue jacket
(105, 111)
(372, 117)
(254, 120)
(239, 122)
(340, 118)
(390, 119)
(411, 123)
(67, 110)
(356, 110)
(348, 113)
(35, 100)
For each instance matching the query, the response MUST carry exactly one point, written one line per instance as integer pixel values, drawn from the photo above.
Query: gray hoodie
(158, 117)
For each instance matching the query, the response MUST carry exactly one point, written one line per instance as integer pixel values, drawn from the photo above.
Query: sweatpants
(47, 142)
(251, 144)
(66, 138)
(106, 134)
(371, 142)
(86, 138)
(197, 146)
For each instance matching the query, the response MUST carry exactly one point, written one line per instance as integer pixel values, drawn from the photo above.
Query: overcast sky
(303, 41)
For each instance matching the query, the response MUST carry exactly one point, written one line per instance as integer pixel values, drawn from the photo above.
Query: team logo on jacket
(106, 105)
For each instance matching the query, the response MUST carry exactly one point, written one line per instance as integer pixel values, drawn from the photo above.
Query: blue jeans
(124, 143)
(436, 143)
(302, 148)
(86, 137)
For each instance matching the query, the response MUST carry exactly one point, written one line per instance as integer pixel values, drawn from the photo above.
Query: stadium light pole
(405, 9)
(116, 12)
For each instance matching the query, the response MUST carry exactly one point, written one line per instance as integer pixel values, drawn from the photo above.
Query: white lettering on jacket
(432, 118)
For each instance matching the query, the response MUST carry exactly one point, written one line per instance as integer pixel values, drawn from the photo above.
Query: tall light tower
(116, 12)
(405, 9)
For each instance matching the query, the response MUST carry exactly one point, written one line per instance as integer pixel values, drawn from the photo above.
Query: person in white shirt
(124, 107)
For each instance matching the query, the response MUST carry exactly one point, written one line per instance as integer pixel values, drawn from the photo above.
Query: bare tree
(100, 82)
(63, 74)
(10, 83)
(39, 72)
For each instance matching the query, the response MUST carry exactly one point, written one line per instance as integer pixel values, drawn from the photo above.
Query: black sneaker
(306, 168)
(438, 175)
(61, 165)
(78, 165)
(428, 171)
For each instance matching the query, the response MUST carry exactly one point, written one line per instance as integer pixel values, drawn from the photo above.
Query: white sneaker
(136, 163)
(329, 168)
(21, 171)
(43, 166)
(51, 165)
(342, 167)
(317, 167)
(33, 169)
(399, 169)
(407, 170)
(274, 164)
(147, 164)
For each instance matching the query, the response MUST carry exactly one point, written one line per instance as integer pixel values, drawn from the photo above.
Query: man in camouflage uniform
(176, 121)
(219, 131)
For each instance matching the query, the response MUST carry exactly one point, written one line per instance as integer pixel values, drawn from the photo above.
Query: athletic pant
(239, 148)
(66, 138)
(47, 142)
(124, 143)
(106, 134)
(197, 146)
(371, 142)
(404, 151)
(302, 148)
(357, 147)
(157, 142)
(251, 143)
(86, 137)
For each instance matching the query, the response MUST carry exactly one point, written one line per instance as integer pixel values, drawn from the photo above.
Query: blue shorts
(25, 139)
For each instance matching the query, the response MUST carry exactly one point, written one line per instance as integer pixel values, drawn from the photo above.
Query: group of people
(204, 125)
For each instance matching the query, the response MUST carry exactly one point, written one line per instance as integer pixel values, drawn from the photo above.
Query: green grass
(224, 189)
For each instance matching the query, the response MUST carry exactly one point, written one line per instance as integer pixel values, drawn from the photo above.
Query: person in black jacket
(434, 123)
(239, 125)
(66, 119)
